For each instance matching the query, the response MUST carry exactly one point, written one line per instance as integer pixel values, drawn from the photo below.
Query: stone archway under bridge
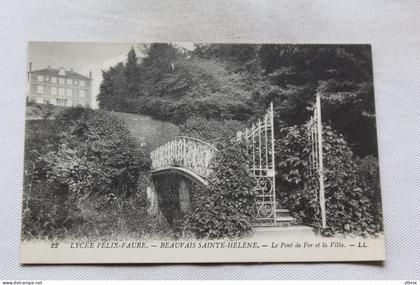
(178, 165)
(171, 195)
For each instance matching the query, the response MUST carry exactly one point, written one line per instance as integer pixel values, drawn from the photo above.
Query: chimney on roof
(90, 74)
(61, 71)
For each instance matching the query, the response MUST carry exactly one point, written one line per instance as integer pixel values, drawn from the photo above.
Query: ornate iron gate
(259, 140)
(316, 163)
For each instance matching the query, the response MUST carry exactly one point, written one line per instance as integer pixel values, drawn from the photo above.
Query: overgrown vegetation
(82, 170)
(351, 190)
(238, 82)
(84, 174)
(226, 206)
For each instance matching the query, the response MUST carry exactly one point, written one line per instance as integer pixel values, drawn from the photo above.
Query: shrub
(348, 202)
(367, 169)
(211, 130)
(169, 203)
(110, 216)
(225, 207)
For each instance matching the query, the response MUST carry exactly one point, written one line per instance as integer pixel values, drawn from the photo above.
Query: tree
(160, 56)
(238, 82)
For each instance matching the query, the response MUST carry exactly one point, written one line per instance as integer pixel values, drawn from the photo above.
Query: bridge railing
(182, 151)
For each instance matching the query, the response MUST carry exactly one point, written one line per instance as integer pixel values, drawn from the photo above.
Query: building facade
(59, 87)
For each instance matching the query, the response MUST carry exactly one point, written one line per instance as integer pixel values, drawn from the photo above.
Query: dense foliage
(94, 153)
(238, 81)
(367, 170)
(109, 216)
(352, 201)
(79, 155)
(226, 206)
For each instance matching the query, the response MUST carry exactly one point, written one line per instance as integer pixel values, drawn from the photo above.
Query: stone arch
(170, 192)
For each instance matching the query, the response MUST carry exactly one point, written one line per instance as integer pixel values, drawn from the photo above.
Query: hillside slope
(147, 130)
(144, 128)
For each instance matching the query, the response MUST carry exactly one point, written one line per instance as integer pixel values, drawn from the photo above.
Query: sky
(82, 58)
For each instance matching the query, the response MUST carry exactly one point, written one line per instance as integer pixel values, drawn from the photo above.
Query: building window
(40, 78)
(46, 101)
(75, 82)
(82, 83)
(61, 92)
(69, 92)
(82, 93)
(53, 79)
(61, 80)
(61, 102)
(69, 81)
(53, 90)
(40, 89)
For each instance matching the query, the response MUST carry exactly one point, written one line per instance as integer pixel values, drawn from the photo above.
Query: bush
(169, 203)
(349, 203)
(95, 153)
(83, 156)
(225, 207)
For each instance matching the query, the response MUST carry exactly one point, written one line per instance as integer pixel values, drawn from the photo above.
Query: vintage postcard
(193, 153)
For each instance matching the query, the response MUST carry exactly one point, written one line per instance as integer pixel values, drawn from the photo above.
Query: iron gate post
(321, 163)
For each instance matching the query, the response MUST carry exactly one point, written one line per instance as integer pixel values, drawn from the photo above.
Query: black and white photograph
(190, 152)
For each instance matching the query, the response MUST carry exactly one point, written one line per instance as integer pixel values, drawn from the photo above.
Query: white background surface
(392, 27)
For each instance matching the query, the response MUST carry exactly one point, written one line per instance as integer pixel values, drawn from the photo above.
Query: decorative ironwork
(190, 153)
(259, 140)
(195, 155)
(316, 164)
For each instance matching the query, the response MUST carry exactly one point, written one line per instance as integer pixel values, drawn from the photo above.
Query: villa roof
(54, 72)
